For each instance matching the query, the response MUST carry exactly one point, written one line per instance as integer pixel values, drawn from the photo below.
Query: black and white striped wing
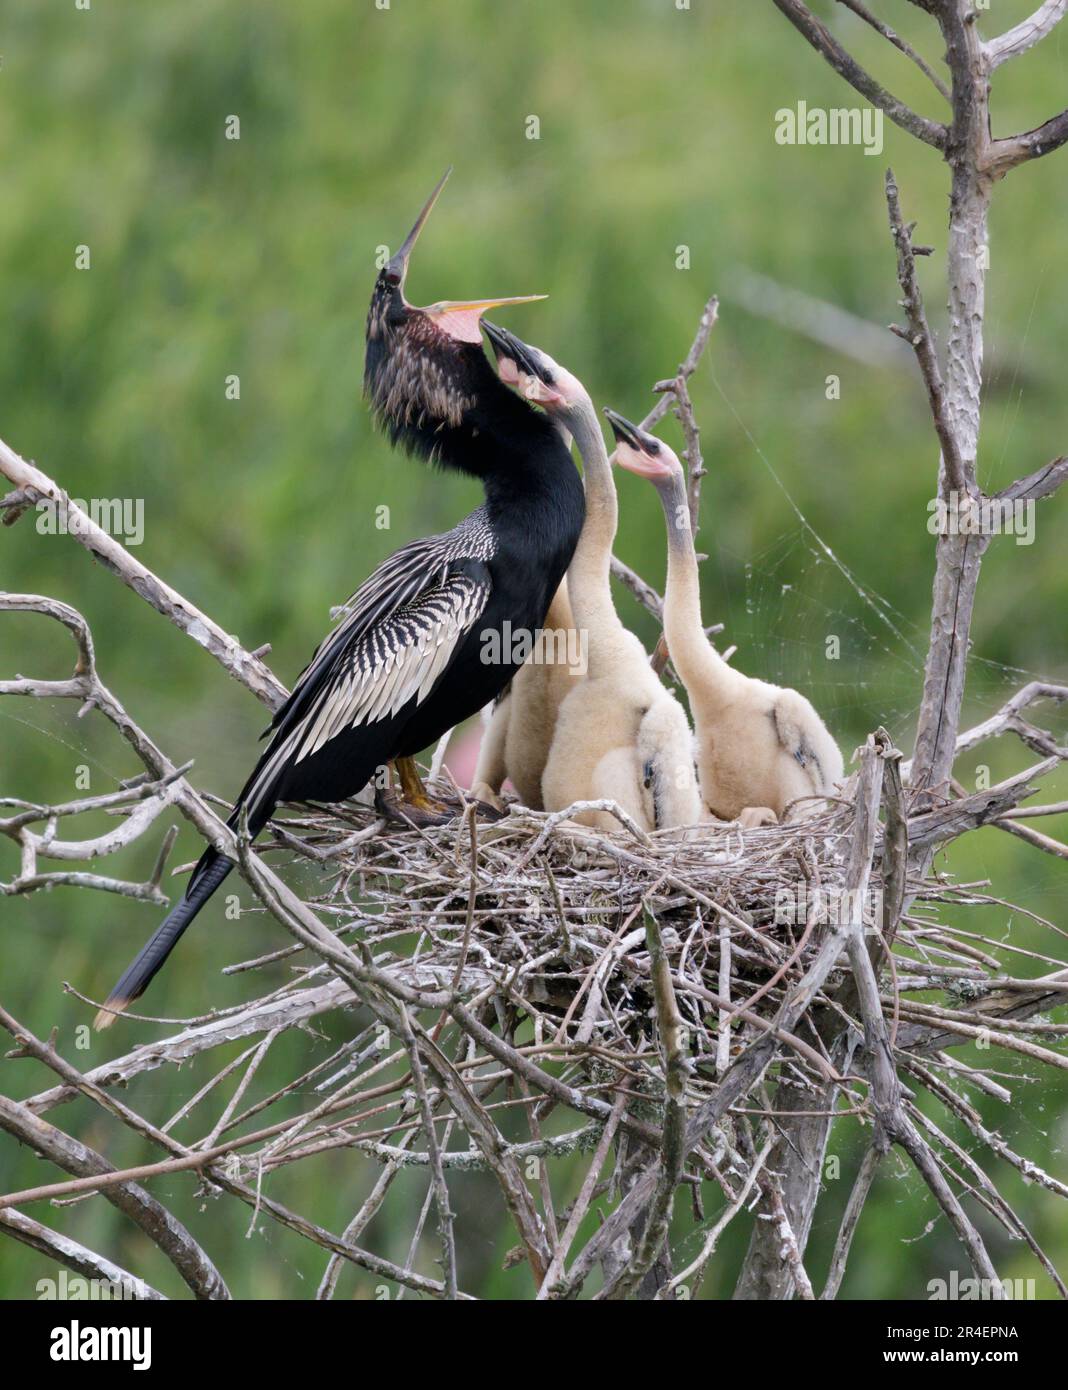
(397, 661)
(371, 676)
(417, 569)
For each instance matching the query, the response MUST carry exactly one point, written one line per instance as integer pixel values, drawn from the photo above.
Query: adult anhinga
(411, 657)
(760, 748)
(616, 732)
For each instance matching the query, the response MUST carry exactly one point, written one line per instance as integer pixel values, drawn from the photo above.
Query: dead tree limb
(816, 33)
(241, 664)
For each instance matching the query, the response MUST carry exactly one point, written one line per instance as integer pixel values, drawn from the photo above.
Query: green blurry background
(255, 257)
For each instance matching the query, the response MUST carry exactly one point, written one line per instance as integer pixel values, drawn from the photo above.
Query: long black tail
(210, 871)
(256, 801)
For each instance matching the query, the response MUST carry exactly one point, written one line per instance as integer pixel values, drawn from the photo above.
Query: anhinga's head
(644, 454)
(535, 376)
(425, 371)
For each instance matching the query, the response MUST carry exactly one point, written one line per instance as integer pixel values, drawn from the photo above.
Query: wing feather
(398, 660)
(415, 570)
(398, 633)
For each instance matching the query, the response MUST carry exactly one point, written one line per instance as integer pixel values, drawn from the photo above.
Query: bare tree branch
(1025, 34)
(71, 1253)
(242, 665)
(960, 475)
(824, 42)
(163, 1229)
(862, 12)
(1007, 153)
(1043, 482)
(439, 1185)
(673, 1041)
(858, 1198)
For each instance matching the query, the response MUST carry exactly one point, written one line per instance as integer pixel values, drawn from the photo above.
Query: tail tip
(107, 1015)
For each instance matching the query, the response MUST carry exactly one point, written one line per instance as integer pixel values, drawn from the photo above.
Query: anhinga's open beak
(457, 317)
(461, 318)
(479, 306)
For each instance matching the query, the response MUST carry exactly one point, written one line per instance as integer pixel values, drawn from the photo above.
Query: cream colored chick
(618, 733)
(519, 734)
(761, 749)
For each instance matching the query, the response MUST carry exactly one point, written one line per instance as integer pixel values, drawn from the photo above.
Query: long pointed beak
(508, 347)
(398, 264)
(461, 318)
(624, 431)
(639, 452)
(479, 306)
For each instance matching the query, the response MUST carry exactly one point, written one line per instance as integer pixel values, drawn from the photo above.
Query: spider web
(798, 599)
(799, 593)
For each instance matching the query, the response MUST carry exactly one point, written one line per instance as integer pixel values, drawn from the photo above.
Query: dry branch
(958, 475)
(73, 1255)
(31, 483)
(1025, 34)
(161, 1227)
(816, 33)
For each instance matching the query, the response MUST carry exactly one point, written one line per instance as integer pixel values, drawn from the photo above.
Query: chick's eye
(652, 447)
(548, 379)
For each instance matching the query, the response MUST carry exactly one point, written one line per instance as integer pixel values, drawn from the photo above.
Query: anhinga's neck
(445, 403)
(530, 480)
(702, 670)
(534, 498)
(588, 576)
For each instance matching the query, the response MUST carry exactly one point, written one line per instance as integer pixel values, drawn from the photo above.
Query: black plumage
(408, 659)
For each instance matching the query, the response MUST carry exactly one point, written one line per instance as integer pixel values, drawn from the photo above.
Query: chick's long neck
(700, 666)
(588, 577)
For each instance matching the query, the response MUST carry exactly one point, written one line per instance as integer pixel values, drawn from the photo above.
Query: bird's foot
(754, 816)
(419, 809)
(416, 806)
(487, 800)
(432, 810)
